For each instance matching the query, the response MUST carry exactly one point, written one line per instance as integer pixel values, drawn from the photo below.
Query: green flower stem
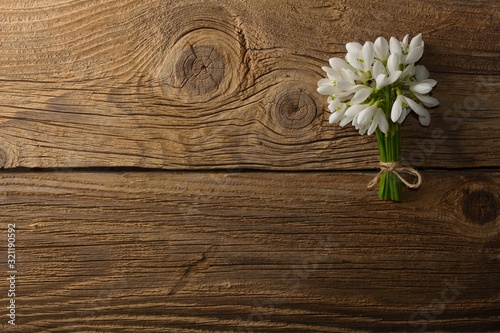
(389, 144)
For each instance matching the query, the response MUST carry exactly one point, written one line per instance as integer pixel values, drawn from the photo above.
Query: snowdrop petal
(428, 101)
(335, 117)
(414, 55)
(378, 68)
(354, 61)
(345, 121)
(345, 85)
(349, 75)
(362, 130)
(337, 64)
(395, 46)
(354, 48)
(412, 104)
(423, 87)
(416, 41)
(365, 116)
(332, 74)
(326, 90)
(421, 73)
(355, 122)
(397, 109)
(425, 120)
(324, 82)
(381, 48)
(343, 94)
(361, 95)
(422, 112)
(404, 43)
(404, 114)
(382, 121)
(409, 71)
(431, 82)
(393, 77)
(352, 111)
(373, 127)
(393, 63)
(381, 81)
(333, 106)
(368, 55)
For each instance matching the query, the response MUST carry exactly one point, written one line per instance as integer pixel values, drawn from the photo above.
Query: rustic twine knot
(398, 170)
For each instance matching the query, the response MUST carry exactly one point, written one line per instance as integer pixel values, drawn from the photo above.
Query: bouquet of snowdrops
(375, 88)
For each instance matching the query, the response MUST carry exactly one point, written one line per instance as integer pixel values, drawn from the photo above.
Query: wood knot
(204, 64)
(200, 69)
(295, 109)
(481, 206)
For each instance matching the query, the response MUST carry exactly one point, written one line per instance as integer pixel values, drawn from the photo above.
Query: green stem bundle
(390, 186)
(389, 144)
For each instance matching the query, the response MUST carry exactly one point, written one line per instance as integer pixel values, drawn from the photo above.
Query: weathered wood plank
(252, 252)
(225, 84)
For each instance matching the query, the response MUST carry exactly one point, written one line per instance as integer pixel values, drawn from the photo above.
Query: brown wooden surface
(183, 84)
(234, 206)
(252, 252)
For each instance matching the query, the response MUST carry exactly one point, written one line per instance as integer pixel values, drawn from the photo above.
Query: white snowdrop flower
(423, 113)
(404, 42)
(381, 48)
(380, 121)
(361, 95)
(360, 57)
(338, 114)
(414, 51)
(364, 118)
(426, 100)
(326, 89)
(395, 47)
(350, 113)
(368, 56)
(397, 109)
(408, 72)
(423, 87)
(383, 80)
(378, 68)
(421, 73)
(393, 63)
(416, 41)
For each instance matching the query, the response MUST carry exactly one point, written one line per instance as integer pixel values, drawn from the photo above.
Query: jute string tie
(398, 170)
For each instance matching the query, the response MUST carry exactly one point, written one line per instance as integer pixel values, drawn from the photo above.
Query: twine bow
(398, 170)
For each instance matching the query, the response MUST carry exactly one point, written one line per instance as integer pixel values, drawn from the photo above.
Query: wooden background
(170, 168)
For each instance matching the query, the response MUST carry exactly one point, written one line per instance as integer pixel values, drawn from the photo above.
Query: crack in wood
(192, 268)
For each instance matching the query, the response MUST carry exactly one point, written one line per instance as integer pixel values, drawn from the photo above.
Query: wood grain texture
(230, 84)
(252, 252)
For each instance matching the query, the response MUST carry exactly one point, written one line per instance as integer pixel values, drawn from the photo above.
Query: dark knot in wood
(481, 207)
(200, 69)
(295, 109)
